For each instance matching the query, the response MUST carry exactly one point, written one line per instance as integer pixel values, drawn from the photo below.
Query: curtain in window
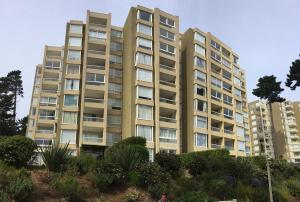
(72, 84)
(144, 75)
(144, 43)
(145, 112)
(70, 117)
(201, 140)
(145, 92)
(71, 100)
(200, 50)
(144, 131)
(142, 58)
(144, 29)
(68, 136)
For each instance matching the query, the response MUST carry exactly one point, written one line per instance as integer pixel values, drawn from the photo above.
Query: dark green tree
(269, 89)
(293, 78)
(22, 125)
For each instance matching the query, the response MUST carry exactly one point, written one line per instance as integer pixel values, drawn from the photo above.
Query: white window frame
(138, 106)
(144, 71)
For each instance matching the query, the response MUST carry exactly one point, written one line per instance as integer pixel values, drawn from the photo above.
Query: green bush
(132, 196)
(194, 196)
(69, 188)
(81, 164)
(56, 157)
(107, 174)
(20, 187)
(169, 163)
(135, 141)
(293, 187)
(127, 156)
(16, 150)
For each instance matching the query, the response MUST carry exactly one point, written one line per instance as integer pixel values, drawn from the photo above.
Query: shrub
(56, 157)
(135, 141)
(194, 196)
(132, 196)
(293, 188)
(169, 163)
(81, 164)
(16, 150)
(20, 187)
(69, 188)
(127, 156)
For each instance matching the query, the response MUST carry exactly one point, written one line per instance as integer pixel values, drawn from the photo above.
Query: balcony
(93, 100)
(167, 119)
(167, 97)
(228, 131)
(167, 83)
(92, 118)
(44, 131)
(216, 129)
(229, 145)
(96, 63)
(168, 101)
(216, 146)
(51, 79)
(51, 91)
(216, 142)
(47, 117)
(43, 142)
(92, 138)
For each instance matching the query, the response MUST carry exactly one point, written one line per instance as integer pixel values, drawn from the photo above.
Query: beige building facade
(182, 92)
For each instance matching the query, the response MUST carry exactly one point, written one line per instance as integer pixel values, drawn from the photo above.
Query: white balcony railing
(91, 139)
(167, 119)
(94, 100)
(93, 119)
(166, 100)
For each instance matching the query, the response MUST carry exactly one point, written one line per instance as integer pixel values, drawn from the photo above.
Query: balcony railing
(213, 128)
(93, 119)
(94, 100)
(228, 147)
(92, 139)
(97, 25)
(166, 100)
(44, 131)
(102, 67)
(167, 83)
(52, 68)
(216, 113)
(95, 83)
(47, 117)
(216, 146)
(228, 131)
(167, 119)
(47, 103)
(167, 67)
(97, 39)
(97, 52)
(50, 79)
(49, 91)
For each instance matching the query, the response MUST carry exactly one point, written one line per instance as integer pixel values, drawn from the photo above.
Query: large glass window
(238, 105)
(47, 114)
(97, 34)
(95, 78)
(215, 94)
(114, 103)
(144, 112)
(216, 56)
(241, 145)
(167, 135)
(237, 81)
(200, 140)
(72, 84)
(115, 46)
(167, 48)
(52, 64)
(200, 105)
(74, 41)
(144, 29)
(239, 118)
(228, 113)
(240, 131)
(237, 92)
(167, 21)
(200, 37)
(71, 100)
(70, 117)
(167, 35)
(200, 122)
(199, 62)
(144, 92)
(68, 136)
(115, 59)
(142, 58)
(143, 15)
(145, 131)
(200, 90)
(227, 86)
(74, 55)
(216, 82)
(215, 45)
(114, 88)
(73, 69)
(114, 120)
(144, 43)
(200, 50)
(144, 75)
(116, 33)
(76, 29)
(226, 74)
(48, 101)
(200, 76)
(227, 99)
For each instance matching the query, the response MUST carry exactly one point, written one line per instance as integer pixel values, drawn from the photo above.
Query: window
(235, 59)
(167, 21)
(142, 58)
(114, 103)
(143, 15)
(31, 122)
(226, 74)
(71, 100)
(95, 78)
(52, 64)
(97, 35)
(215, 45)
(216, 82)
(74, 55)
(70, 117)
(240, 131)
(144, 92)
(227, 99)
(167, 48)
(216, 57)
(115, 46)
(73, 69)
(144, 75)
(115, 59)
(144, 29)
(144, 112)
(227, 86)
(216, 94)
(167, 135)
(241, 145)
(116, 33)
(200, 90)
(200, 76)
(33, 111)
(238, 105)
(200, 140)
(114, 120)
(200, 50)
(225, 62)
(167, 35)
(114, 88)
(72, 84)
(144, 43)
(113, 138)
(236, 70)
(200, 105)
(239, 118)
(74, 41)
(200, 122)
(199, 62)
(144, 131)
(199, 37)
(48, 101)
(237, 81)
(228, 113)
(47, 114)
(76, 29)
(237, 92)
(68, 136)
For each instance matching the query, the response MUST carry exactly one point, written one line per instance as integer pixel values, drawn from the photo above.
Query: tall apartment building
(182, 92)
(281, 125)
(215, 113)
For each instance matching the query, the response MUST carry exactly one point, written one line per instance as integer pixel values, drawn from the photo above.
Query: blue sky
(265, 33)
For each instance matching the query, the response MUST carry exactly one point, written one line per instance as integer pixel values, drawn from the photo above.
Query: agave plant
(55, 157)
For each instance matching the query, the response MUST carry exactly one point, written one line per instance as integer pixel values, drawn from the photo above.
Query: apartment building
(182, 92)
(215, 113)
(261, 125)
(281, 125)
